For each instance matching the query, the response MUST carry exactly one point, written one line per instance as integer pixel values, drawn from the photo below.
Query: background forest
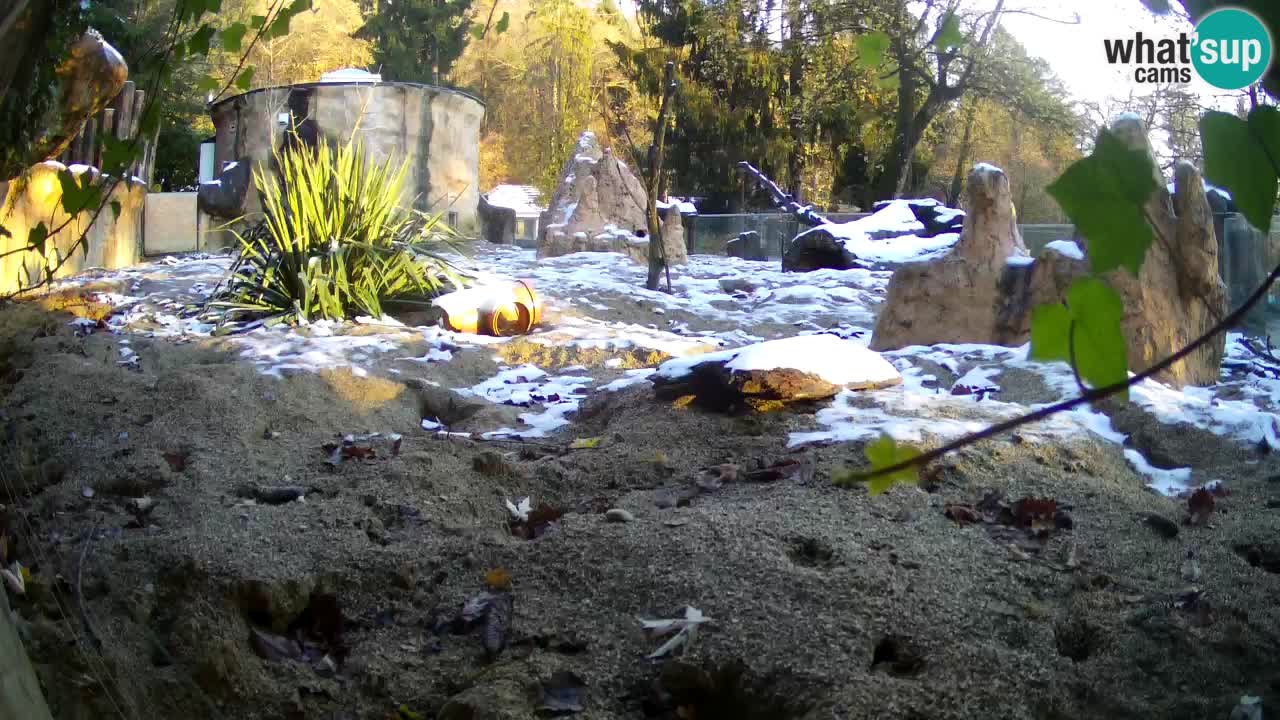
(842, 102)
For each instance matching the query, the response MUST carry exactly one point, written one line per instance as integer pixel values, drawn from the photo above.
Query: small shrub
(334, 243)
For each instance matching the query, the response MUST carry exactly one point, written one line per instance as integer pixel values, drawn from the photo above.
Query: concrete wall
(113, 241)
(170, 224)
(435, 129)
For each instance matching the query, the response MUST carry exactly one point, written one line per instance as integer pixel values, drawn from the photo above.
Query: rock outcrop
(747, 245)
(497, 223)
(954, 298)
(770, 375)
(224, 196)
(891, 236)
(984, 290)
(599, 206)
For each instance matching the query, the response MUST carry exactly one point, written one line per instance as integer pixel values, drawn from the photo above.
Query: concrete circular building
(436, 129)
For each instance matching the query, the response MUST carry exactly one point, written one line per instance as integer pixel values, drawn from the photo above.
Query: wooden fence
(120, 120)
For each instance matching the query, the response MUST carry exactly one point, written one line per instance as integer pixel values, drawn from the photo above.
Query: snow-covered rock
(599, 206)
(767, 375)
(891, 236)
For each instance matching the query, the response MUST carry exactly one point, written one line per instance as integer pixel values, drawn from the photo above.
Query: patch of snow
(524, 199)
(987, 167)
(1019, 260)
(632, 378)
(1165, 482)
(1066, 248)
(838, 361)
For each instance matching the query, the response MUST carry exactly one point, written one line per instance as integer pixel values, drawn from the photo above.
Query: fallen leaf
(1035, 514)
(561, 694)
(273, 647)
(685, 629)
(358, 452)
(177, 460)
(520, 511)
(540, 520)
(961, 514)
(497, 622)
(584, 443)
(1200, 506)
(683, 401)
(498, 579)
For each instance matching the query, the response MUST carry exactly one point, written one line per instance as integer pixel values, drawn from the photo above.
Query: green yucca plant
(334, 243)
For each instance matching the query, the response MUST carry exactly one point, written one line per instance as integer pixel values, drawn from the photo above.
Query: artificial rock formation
(978, 294)
(953, 299)
(599, 206)
(773, 374)
(840, 246)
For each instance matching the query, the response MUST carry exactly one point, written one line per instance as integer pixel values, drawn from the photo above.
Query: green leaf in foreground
(1239, 156)
(1050, 330)
(949, 35)
(245, 80)
(1091, 319)
(883, 452)
(1101, 357)
(117, 155)
(115, 209)
(198, 45)
(871, 48)
(78, 194)
(233, 36)
(503, 23)
(1104, 195)
(36, 237)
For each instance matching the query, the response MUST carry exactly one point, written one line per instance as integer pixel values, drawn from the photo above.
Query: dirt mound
(161, 586)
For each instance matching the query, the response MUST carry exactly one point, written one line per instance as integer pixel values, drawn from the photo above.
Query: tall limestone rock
(985, 289)
(954, 298)
(599, 206)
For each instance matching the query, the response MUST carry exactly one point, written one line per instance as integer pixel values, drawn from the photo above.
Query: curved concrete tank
(436, 129)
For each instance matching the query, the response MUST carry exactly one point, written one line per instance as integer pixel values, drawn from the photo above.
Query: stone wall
(113, 242)
(170, 224)
(435, 129)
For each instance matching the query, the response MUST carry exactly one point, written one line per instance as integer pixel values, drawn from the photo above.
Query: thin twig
(84, 615)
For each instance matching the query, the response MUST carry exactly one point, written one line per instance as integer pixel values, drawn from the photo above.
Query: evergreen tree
(417, 40)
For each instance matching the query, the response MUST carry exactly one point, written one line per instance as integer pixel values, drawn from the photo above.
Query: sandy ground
(167, 581)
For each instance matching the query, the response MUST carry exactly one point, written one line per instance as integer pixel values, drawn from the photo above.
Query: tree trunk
(797, 121)
(962, 158)
(653, 184)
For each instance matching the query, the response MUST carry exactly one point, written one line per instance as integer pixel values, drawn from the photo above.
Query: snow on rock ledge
(894, 234)
(768, 375)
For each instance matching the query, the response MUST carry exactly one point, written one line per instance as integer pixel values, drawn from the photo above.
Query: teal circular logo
(1232, 48)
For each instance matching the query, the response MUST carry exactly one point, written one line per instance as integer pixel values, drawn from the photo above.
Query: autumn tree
(545, 81)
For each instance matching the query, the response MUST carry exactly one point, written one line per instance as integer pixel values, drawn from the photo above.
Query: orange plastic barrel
(499, 310)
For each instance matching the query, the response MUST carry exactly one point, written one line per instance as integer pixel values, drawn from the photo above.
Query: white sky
(1075, 52)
